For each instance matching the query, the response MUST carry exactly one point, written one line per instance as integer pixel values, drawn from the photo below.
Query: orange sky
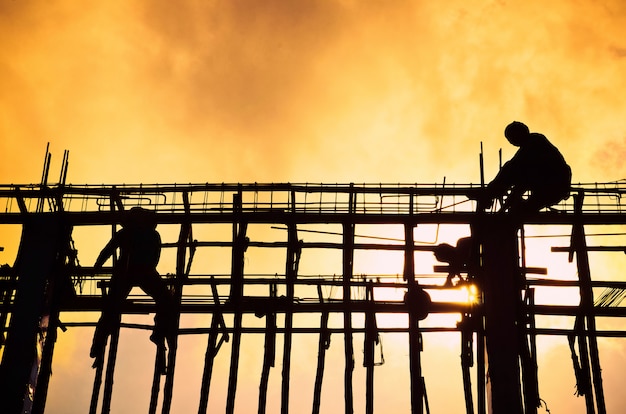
(307, 91)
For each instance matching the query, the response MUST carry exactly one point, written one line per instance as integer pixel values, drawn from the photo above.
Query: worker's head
(444, 252)
(138, 217)
(516, 133)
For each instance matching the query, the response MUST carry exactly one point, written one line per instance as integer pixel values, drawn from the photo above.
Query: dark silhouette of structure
(537, 167)
(140, 250)
(498, 331)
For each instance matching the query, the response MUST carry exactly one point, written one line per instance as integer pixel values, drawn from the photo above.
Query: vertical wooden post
(236, 293)
(110, 371)
(528, 355)
(530, 384)
(348, 258)
(323, 345)
(115, 334)
(217, 321)
(579, 244)
(269, 355)
(95, 393)
(181, 276)
(415, 339)
(291, 269)
(481, 403)
(369, 345)
(501, 287)
(159, 362)
(467, 360)
(56, 290)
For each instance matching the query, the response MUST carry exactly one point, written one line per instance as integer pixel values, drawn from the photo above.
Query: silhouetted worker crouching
(537, 167)
(140, 250)
(459, 258)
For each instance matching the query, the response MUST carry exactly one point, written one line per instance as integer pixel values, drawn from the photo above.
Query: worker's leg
(111, 309)
(153, 285)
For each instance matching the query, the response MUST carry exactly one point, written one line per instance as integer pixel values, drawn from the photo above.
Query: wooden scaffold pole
(269, 354)
(348, 258)
(323, 345)
(213, 347)
(370, 341)
(587, 317)
(415, 298)
(291, 273)
(240, 244)
(183, 268)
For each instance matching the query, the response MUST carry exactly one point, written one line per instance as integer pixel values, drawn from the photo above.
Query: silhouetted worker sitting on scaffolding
(537, 167)
(459, 258)
(140, 250)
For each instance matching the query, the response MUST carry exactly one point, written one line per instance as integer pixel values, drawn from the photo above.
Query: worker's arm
(107, 251)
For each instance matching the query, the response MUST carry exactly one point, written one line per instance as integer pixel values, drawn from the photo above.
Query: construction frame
(498, 330)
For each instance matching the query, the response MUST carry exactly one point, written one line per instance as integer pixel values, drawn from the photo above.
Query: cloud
(286, 90)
